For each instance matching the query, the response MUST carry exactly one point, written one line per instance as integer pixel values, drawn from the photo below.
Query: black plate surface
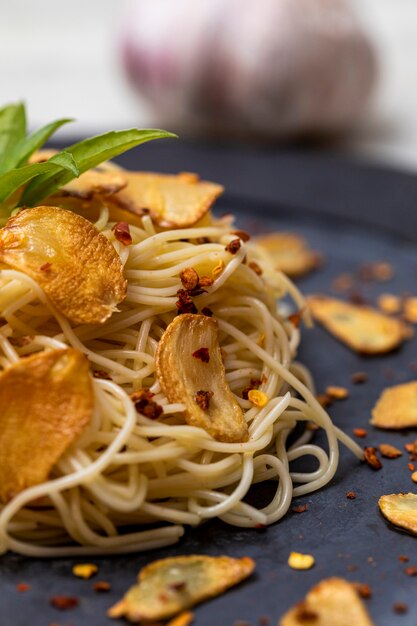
(339, 532)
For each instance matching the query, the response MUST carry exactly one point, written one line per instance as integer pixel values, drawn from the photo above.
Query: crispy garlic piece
(401, 510)
(174, 201)
(75, 265)
(333, 602)
(46, 400)
(190, 369)
(396, 407)
(361, 328)
(169, 586)
(96, 182)
(289, 253)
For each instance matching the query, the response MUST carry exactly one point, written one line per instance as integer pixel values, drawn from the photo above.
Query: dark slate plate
(342, 534)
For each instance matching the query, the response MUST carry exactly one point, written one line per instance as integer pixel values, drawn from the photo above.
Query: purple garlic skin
(276, 68)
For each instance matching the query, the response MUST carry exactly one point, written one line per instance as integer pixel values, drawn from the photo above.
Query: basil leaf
(36, 140)
(11, 181)
(12, 130)
(87, 154)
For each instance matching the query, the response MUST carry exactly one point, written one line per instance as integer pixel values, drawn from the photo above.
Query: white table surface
(61, 59)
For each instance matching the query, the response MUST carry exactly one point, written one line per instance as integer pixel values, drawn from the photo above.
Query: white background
(61, 58)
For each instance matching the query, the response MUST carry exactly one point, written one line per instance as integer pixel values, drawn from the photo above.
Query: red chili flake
(20, 342)
(363, 589)
(196, 292)
(206, 281)
(144, 404)
(64, 603)
(243, 235)
(357, 298)
(101, 374)
(163, 597)
(400, 608)
(323, 399)
(45, 267)
(255, 268)
(403, 558)
(359, 377)
(300, 508)
(185, 303)
(101, 586)
(371, 458)
(411, 570)
(411, 467)
(122, 233)
(203, 398)
(260, 526)
(201, 240)
(351, 495)
(179, 585)
(360, 432)
(207, 312)
(202, 354)
(254, 384)
(233, 246)
(295, 318)
(189, 278)
(22, 587)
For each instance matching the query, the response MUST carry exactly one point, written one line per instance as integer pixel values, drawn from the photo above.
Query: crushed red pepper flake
(411, 570)
(351, 495)
(363, 589)
(207, 312)
(300, 508)
(403, 558)
(189, 278)
(411, 467)
(101, 374)
(203, 398)
(144, 404)
(400, 608)
(64, 603)
(23, 587)
(101, 586)
(20, 342)
(360, 432)
(255, 383)
(206, 281)
(45, 266)
(233, 246)
(388, 451)
(121, 232)
(185, 302)
(295, 318)
(323, 399)
(359, 377)
(202, 354)
(371, 458)
(255, 267)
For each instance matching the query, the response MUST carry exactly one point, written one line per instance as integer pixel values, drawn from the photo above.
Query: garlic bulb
(275, 67)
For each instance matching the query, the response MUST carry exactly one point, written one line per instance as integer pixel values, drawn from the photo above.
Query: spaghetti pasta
(127, 471)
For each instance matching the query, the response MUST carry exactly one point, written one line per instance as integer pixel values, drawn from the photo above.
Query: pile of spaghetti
(148, 374)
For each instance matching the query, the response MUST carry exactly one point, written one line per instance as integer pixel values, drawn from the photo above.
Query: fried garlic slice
(95, 182)
(76, 266)
(289, 253)
(190, 369)
(333, 602)
(46, 400)
(401, 510)
(361, 328)
(396, 407)
(171, 585)
(173, 201)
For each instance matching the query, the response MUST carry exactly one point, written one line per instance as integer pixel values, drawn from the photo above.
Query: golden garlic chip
(401, 510)
(190, 368)
(95, 182)
(46, 400)
(289, 253)
(333, 602)
(173, 201)
(76, 266)
(171, 585)
(396, 407)
(361, 328)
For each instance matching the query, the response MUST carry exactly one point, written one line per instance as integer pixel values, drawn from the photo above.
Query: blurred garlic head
(271, 67)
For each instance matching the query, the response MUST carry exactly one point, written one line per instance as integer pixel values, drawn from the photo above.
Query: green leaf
(11, 181)
(36, 140)
(12, 131)
(87, 154)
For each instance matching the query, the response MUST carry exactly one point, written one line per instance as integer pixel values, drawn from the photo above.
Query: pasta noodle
(126, 471)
